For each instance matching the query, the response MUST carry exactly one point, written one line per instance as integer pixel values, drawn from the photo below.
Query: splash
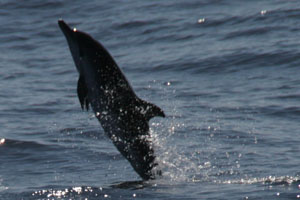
(270, 180)
(51, 193)
(174, 162)
(171, 142)
(81, 192)
(2, 187)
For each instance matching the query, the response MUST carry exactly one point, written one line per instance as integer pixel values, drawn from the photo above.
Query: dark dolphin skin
(123, 116)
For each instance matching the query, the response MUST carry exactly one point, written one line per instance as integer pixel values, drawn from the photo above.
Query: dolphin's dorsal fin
(150, 110)
(82, 93)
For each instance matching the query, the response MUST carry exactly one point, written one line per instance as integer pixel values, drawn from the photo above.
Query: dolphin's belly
(137, 149)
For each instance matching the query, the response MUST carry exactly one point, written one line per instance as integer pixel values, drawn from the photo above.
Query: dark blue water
(226, 73)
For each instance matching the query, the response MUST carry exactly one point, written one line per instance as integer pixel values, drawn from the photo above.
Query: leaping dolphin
(122, 114)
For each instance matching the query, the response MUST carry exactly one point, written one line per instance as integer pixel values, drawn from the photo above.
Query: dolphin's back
(106, 70)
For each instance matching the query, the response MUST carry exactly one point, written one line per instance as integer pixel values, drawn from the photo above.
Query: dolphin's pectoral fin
(150, 110)
(82, 92)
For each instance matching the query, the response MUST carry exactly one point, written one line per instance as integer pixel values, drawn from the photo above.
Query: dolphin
(123, 116)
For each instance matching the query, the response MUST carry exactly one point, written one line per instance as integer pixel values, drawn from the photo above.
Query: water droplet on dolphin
(2, 141)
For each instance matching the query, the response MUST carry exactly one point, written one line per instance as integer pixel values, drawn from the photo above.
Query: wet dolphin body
(123, 116)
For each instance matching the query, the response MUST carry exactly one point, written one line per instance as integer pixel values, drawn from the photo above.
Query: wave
(23, 145)
(115, 191)
(31, 5)
(225, 63)
(133, 24)
(270, 180)
(289, 112)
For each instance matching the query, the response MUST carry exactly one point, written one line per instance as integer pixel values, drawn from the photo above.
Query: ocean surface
(226, 74)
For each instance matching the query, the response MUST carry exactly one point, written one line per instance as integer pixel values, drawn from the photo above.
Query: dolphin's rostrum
(123, 116)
